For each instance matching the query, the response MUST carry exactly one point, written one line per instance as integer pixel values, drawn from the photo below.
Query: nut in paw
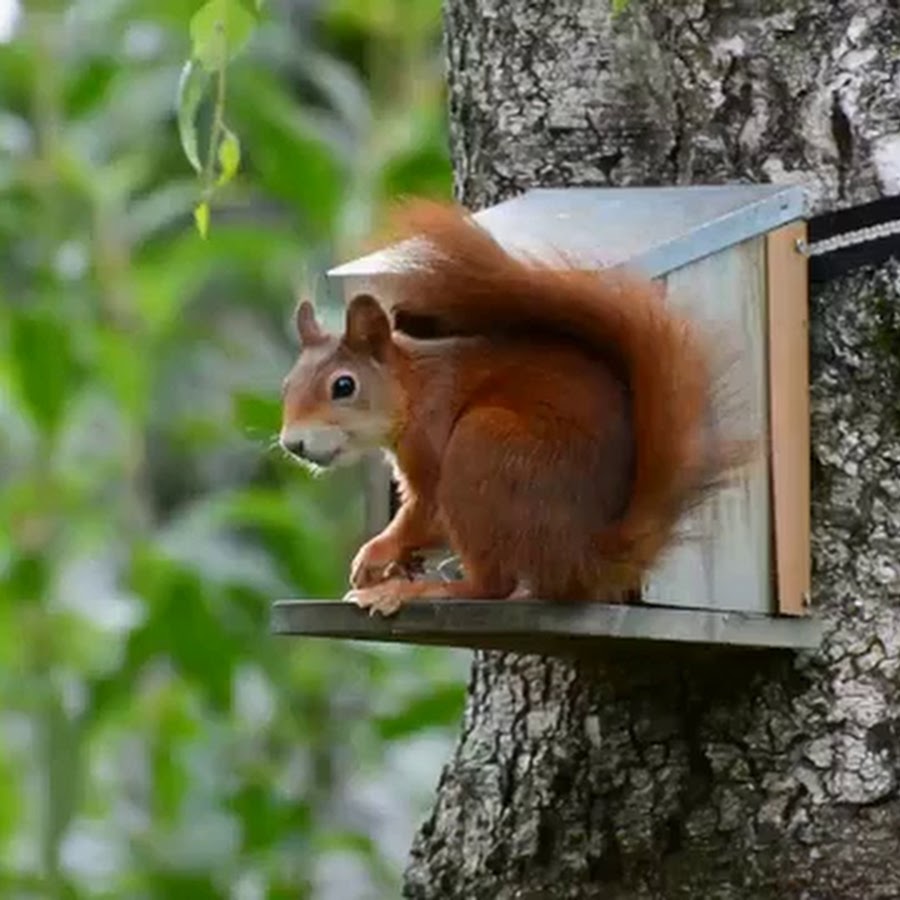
(377, 562)
(374, 563)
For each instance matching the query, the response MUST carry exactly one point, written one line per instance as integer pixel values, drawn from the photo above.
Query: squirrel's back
(461, 282)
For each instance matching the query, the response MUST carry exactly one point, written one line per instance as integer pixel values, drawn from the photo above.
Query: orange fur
(552, 429)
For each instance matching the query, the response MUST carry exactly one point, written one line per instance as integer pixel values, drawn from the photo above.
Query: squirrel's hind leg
(517, 497)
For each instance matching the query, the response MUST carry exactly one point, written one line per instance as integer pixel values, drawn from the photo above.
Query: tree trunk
(664, 775)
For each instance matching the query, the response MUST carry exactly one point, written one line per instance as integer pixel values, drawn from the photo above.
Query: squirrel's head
(338, 399)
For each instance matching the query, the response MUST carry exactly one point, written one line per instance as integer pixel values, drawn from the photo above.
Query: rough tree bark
(670, 777)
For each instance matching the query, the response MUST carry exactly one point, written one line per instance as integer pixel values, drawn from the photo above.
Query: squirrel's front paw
(377, 561)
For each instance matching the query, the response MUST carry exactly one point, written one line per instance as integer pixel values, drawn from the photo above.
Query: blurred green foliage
(156, 741)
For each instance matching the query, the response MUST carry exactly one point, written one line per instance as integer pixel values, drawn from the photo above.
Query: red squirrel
(552, 428)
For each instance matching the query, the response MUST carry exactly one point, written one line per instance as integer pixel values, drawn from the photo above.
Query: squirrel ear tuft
(368, 329)
(308, 329)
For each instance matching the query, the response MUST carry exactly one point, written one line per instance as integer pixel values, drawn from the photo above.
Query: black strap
(846, 239)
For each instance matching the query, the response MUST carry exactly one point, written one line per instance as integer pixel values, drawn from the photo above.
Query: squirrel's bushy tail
(463, 283)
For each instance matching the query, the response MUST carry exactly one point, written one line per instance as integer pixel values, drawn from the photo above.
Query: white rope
(850, 238)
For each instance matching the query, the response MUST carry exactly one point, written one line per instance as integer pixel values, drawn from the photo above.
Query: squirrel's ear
(368, 329)
(308, 329)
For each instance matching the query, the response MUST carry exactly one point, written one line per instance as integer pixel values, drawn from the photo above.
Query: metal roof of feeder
(653, 229)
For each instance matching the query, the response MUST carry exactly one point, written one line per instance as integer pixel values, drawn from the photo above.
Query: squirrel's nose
(294, 447)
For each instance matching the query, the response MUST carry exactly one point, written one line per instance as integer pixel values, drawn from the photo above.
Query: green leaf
(219, 31)
(45, 365)
(12, 799)
(619, 6)
(229, 157)
(292, 159)
(126, 373)
(258, 414)
(191, 87)
(201, 218)
(385, 18)
(28, 577)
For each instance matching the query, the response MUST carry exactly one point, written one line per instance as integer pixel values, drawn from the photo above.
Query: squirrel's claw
(383, 598)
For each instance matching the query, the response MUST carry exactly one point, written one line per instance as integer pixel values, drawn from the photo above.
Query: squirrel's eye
(343, 387)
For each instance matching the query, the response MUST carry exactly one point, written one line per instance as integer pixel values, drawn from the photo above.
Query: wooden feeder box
(730, 256)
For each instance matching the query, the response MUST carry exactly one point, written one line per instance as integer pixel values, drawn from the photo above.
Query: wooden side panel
(722, 557)
(789, 401)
